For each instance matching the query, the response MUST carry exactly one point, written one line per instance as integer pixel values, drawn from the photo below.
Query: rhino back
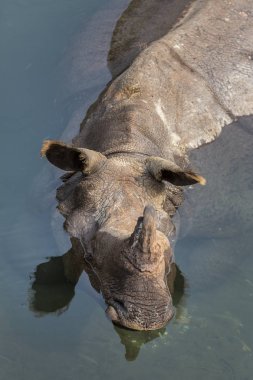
(142, 23)
(182, 89)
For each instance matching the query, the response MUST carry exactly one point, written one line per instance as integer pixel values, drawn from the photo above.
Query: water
(51, 70)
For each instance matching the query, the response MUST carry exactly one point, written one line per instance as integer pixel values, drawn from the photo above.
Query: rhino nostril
(119, 305)
(119, 302)
(116, 309)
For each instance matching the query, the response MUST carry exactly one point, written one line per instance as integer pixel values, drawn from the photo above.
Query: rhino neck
(130, 120)
(125, 119)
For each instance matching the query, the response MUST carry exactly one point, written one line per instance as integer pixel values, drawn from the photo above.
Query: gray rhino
(128, 164)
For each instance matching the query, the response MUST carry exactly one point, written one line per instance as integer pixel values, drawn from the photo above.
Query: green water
(52, 66)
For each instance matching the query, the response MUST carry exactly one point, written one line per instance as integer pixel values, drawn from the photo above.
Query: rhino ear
(164, 170)
(70, 158)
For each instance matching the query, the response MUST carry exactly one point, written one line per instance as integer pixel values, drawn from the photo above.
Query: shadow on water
(53, 288)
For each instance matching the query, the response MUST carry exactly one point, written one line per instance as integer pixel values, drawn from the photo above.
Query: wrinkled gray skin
(130, 159)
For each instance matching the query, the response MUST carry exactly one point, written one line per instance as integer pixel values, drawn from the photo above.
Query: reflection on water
(133, 340)
(49, 78)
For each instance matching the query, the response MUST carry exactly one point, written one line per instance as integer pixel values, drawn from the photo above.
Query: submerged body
(130, 159)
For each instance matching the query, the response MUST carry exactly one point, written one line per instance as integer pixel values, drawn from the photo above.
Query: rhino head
(120, 208)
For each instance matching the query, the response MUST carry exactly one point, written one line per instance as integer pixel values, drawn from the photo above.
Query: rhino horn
(147, 236)
(70, 158)
(148, 245)
(165, 170)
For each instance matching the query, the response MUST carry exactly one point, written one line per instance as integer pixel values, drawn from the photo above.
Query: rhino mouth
(135, 317)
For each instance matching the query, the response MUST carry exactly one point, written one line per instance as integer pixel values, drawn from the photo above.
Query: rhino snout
(138, 318)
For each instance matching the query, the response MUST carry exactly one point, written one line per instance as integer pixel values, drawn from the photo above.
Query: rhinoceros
(127, 166)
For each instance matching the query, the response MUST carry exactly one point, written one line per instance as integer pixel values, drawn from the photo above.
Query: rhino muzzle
(145, 316)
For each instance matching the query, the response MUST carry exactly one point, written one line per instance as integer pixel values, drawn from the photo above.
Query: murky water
(53, 65)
